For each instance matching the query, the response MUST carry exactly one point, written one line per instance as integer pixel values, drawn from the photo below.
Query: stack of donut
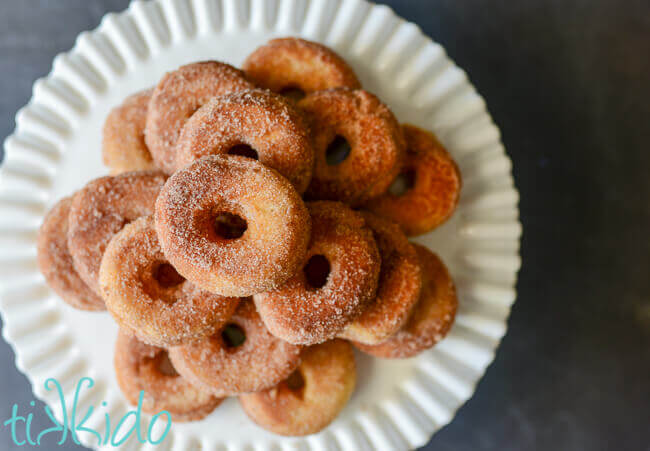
(253, 231)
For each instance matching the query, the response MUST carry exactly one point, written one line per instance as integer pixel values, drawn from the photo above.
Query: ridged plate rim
(483, 254)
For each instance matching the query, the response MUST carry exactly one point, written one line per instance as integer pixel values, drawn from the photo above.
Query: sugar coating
(400, 282)
(265, 121)
(436, 190)
(123, 146)
(302, 314)
(431, 318)
(55, 261)
(390, 298)
(159, 315)
(329, 375)
(265, 256)
(177, 96)
(100, 209)
(138, 368)
(375, 139)
(296, 63)
(260, 362)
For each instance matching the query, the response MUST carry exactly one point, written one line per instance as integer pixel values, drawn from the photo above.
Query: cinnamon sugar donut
(290, 63)
(339, 279)
(359, 119)
(431, 318)
(312, 397)
(100, 210)
(144, 293)
(252, 123)
(177, 96)
(275, 223)
(243, 357)
(123, 146)
(400, 282)
(55, 261)
(435, 189)
(141, 367)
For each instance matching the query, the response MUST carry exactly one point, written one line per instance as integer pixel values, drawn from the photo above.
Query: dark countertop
(568, 83)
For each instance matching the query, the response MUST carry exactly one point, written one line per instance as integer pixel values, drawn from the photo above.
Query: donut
(144, 293)
(286, 65)
(55, 261)
(431, 318)
(433, 184)
(273, 233)
(142, 367)
(252, 123)
(241, 358)
(344, 117)
(100, 209)
(123, 146)
(312, 397)
(400, 282)
(177, 96)
(339, 278)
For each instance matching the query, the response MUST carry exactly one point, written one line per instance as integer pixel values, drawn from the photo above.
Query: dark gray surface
(568, 84)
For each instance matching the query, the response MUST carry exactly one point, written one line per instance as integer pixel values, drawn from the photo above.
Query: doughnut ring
(243, 357)
(123, 146)
(436, 184)
(145, 294)
(141, 367)
(287, 64)
(359, 119)
(312, 397)
(272, 238)
(177, 96)
(100, 210)
(338, 281)
(252, 123)
(432, 316)
(400, 282)
(55, 261)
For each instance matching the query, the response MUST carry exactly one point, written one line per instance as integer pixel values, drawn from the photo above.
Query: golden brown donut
(312, 397)
(141, 367)
(338, 280)
(275, 223)
(225, 365)
(144, 293)
(286, 64)
(359, 119)
(55, 261)
(435, 190)
(252, 123)
(100, 210)
(177, 96)
(123, 146)
(431, 318)
(400, 282)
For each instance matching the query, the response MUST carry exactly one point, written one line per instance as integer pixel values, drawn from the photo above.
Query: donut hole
(338, 151)
(296, 383)
(164, 365)
(317, 271)
(229, 226)
(403, 183)
(233, 336)
(293, 93)
(167, 276)
(244, 150)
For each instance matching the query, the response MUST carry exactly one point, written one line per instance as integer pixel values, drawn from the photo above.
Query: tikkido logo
(72, 425)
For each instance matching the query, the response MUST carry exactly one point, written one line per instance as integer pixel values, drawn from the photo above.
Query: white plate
(56, 149)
